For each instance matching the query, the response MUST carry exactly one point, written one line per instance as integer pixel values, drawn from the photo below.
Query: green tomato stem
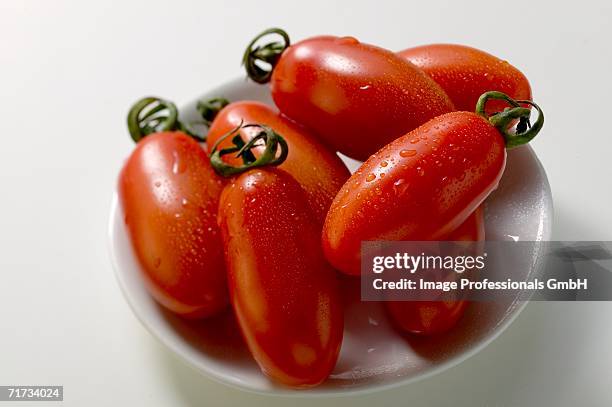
(269, 157)
(504, 121)
(269, 54)
(209, 109)
(154, 115)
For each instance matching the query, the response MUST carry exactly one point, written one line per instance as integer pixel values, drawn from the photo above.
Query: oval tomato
(282, 290)
(423, 185)
(317, 169)
(465, 73)
(169, 194)
(435, 317)
(356, 97)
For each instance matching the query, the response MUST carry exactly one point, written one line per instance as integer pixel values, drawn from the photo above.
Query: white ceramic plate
(373, 355)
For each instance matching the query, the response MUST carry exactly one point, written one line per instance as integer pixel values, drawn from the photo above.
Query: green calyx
(209, 109)
(503, 121)
(269, 157)
(154, 115)
(269, 54)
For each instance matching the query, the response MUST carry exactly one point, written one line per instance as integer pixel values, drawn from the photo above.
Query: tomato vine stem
(154, 115)
(269, 54)
(269, 157)
(503, 121)
(209, 109)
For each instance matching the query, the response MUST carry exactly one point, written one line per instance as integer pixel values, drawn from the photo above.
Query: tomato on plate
(423, 185)
(317, 169)
(169, 194)
(357, 97)
(283, 292)
(436, 317)
(465, 73)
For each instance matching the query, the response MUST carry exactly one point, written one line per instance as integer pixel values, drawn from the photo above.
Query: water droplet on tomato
(348, 40)
(384, 164)
(370, 177)
(177, 165)
(407, 153)
(400, 186)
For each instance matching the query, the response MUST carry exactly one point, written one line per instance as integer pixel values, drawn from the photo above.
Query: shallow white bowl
(373, 355)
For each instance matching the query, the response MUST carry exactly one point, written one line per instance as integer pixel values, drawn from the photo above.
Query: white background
(69, 70)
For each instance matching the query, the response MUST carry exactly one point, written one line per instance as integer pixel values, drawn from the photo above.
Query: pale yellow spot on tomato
(304, 355)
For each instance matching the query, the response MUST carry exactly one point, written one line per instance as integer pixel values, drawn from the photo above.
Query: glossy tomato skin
(283, 292)
(357, 97)
(421, 186)
(317, 169)
(436, 317)
(169, 194)
(465, 73)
